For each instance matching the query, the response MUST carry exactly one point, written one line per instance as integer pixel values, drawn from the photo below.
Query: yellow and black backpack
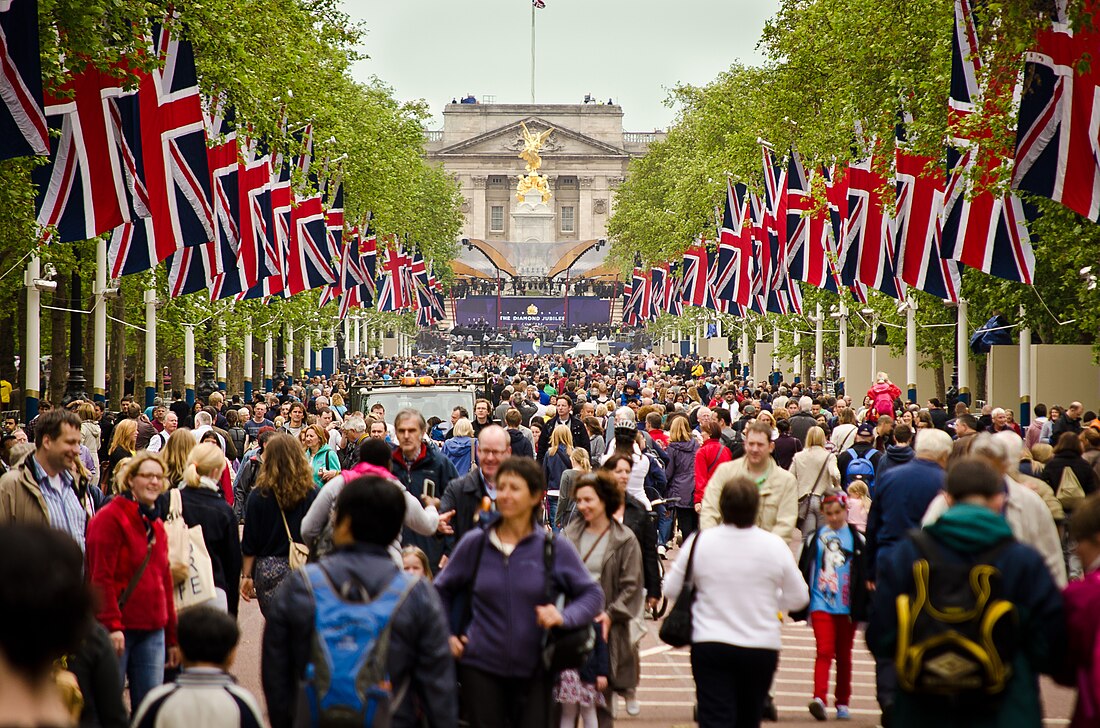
(957, 634)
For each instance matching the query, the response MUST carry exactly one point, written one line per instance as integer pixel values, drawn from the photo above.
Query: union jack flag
(163, 127)
(917, 226)
(81, 192)
(307, 265)
(979, 230)
(628, 294)
(775, 218)
(391, 282)
(868, 253)
(632, 312)
(23, 130)
(1058, 136)
(334, 221)
(810, 244)
(259, 256)
(735, 247)
(694, 287)
(659, 278)
(222, 155)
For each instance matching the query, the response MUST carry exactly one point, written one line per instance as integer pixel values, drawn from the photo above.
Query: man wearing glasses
(473, 496)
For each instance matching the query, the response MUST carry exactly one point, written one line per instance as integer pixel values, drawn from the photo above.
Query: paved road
(667, 692)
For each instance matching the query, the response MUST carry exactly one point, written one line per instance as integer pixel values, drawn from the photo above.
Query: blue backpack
(862, 469)
(346, 683)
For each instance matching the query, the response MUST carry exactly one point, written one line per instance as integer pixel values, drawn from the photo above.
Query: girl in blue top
(832, 564)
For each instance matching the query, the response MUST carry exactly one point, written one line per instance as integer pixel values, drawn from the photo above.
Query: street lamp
(74, 387)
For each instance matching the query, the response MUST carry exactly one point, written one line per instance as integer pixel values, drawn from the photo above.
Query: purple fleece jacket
(504, 638)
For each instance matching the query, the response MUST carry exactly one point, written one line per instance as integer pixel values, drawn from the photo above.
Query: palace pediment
(507, 141)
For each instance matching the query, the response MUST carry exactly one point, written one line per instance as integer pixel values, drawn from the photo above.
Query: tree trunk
(89, 337)
(117, 355)
(940, 374)
(59, 340)
(978, 385)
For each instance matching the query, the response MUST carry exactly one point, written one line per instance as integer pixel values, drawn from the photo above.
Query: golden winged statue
(532, 143)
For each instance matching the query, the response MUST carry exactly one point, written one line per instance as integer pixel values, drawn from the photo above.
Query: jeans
(834, 634)
(664, 524)
(143, 663)
(552, 512)
(731, 683)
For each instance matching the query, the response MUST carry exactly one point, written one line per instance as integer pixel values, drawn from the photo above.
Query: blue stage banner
(526, 311)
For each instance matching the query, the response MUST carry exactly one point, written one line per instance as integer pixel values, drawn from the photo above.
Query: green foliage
(830, 65)
(271, 60)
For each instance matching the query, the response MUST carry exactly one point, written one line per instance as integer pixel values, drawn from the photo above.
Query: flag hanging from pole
(538, 3)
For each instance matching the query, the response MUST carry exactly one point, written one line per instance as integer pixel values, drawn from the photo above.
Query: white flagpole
(532, 52)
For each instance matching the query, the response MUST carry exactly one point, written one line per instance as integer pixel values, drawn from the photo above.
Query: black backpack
(957, 634)
(734, 444)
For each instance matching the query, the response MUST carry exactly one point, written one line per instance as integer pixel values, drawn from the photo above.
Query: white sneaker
(633, 707)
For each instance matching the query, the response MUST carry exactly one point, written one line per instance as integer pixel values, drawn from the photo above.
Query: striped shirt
(201, 697)
(62, 505)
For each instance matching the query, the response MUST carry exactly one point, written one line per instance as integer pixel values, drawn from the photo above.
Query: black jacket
(521, 446)
(418, 650)
(1053, 471)
(639, 520)
(858, 584)
(206, 508)
(242, 486)
(463, 496)
(430, 465)
(576, 428)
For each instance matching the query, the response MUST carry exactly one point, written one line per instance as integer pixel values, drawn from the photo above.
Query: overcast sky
(630, 52)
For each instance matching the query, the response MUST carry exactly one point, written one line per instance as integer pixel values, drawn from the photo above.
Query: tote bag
(198, 586)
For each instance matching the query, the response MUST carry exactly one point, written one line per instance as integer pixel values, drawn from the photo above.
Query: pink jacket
(882, 396)
(1082, 600)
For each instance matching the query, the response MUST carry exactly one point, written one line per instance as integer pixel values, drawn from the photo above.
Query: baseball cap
(866, 429)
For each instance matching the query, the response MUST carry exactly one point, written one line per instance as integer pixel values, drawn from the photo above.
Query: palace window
(496, 219)
(567, 182)
(497, 181)
(567, 218)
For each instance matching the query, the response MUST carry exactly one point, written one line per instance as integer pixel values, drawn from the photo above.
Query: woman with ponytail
(203, 505)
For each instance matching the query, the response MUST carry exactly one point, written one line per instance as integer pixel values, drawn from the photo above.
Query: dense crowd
(500, 566)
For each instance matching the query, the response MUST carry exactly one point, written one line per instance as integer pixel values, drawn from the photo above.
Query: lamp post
(74, 387)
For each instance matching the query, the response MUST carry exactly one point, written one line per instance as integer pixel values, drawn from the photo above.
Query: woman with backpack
(459, 448)
(882, 395)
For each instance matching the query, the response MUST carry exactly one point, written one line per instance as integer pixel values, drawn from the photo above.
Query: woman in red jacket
(708, 457)
(127, 550)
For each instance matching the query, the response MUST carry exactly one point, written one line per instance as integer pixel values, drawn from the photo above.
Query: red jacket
(1082, 600)
(116, 546)
(707, 459)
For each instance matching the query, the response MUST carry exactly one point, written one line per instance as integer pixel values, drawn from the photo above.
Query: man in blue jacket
(369, 514)
(972, 527)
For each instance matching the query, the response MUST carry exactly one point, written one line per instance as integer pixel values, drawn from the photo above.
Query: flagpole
(532, 53)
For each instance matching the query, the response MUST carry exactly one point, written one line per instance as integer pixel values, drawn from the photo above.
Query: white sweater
(738, 600)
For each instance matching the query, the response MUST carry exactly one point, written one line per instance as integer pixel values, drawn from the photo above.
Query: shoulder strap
(175, 503)
(548, 564)
(286, 525)
(691, 558)
(824, 464)
(468, 609)
(125, 596)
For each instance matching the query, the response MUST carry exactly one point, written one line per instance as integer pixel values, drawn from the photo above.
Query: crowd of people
(501, 566)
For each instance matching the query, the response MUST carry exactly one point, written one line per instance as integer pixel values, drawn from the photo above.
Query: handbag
(179, 544)
(806, 501)
(1070, 492)
(298, 553)
(676, 630)
(198, 585)
(563, 648)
